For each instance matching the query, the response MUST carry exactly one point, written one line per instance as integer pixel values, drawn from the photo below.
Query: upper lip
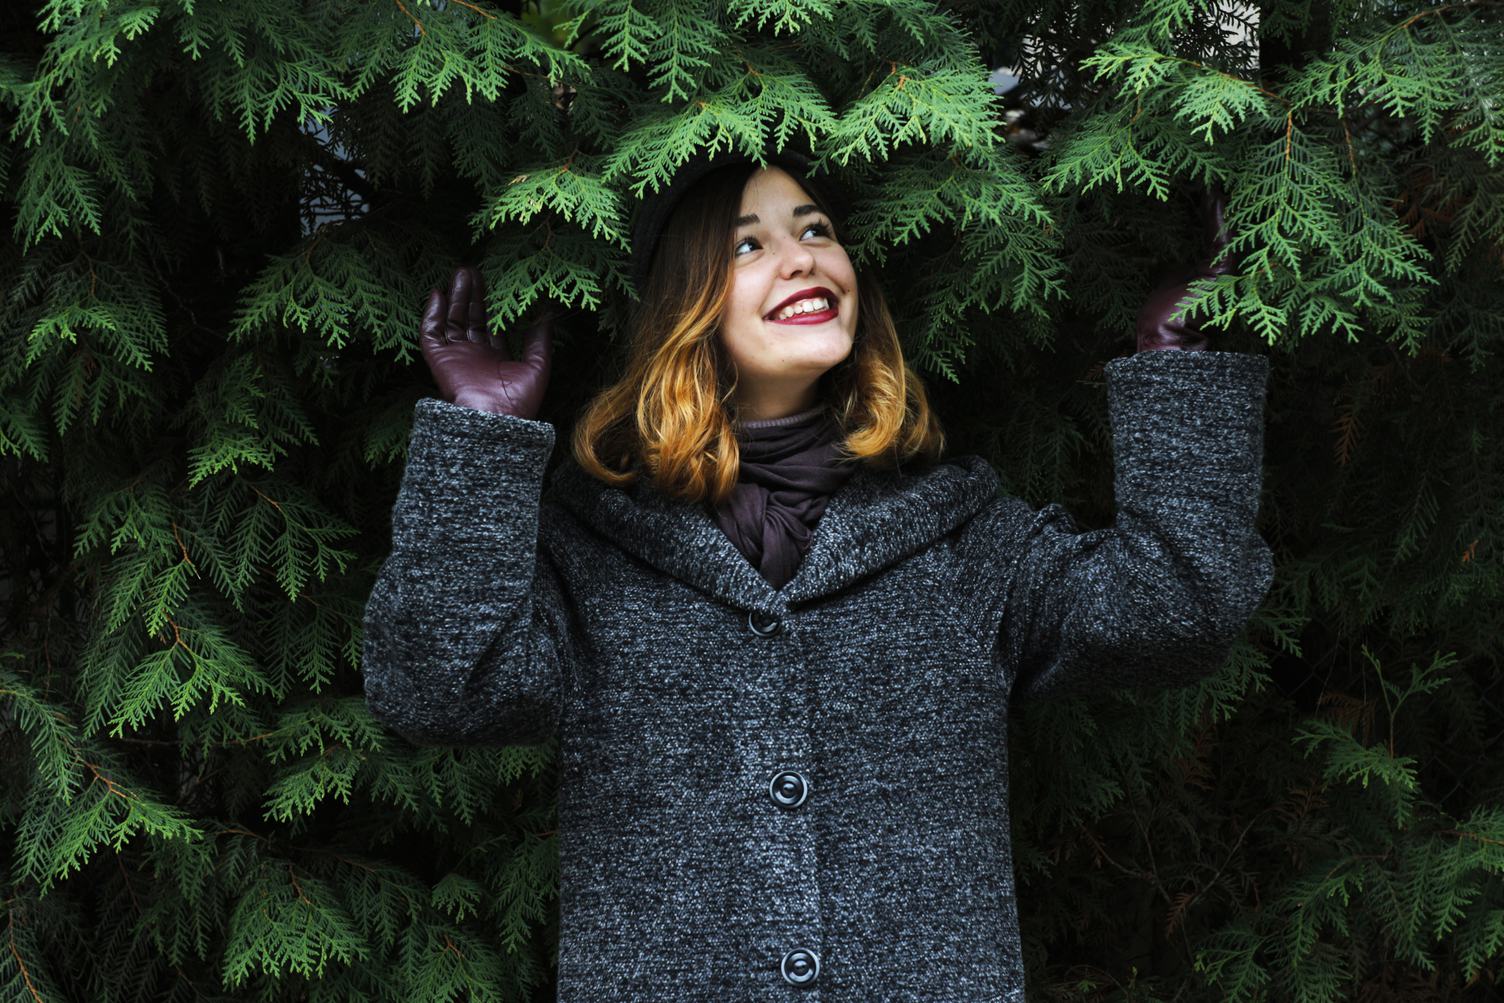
(805, 294)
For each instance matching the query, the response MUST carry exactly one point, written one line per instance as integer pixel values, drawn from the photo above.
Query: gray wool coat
(801, 794)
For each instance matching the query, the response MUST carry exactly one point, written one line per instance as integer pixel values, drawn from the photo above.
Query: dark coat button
(800, 966)
(788, 788)
(762, 624)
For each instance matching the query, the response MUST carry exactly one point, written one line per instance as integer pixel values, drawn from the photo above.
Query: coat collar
(872, 520)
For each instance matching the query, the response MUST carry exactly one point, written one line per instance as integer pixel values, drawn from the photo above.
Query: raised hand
(472, 366)
(1156, 332)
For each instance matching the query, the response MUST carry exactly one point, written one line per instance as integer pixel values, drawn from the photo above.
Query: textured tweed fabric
(802, 793)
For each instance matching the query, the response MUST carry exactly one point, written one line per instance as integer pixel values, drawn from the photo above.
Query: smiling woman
(792, 312)
(719, 257)
(783, 710)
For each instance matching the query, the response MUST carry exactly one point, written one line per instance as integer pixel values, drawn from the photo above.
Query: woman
(776, 636)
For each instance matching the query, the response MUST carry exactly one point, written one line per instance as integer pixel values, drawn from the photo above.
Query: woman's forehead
(772, 186)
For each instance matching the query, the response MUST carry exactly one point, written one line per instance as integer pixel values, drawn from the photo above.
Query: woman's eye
(821, 229)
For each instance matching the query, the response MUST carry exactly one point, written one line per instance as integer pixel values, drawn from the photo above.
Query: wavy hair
(672, 414)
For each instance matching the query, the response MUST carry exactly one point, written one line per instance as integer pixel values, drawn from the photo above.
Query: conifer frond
(782, 16)
(337, 281)
(736, 116)
(1376, 253)
(314, 643)
(1441, 67)
(53, 740)
(1347, 760)
(1105, 148)
(1479, 939)
(289, 920)
(55, 195)
(481, 54)
(193, 657)
(1291, 204)
(525, 889)
(447, 962)
(564, 267)
(57, 837)
(302, 787)
(688, 44)
(458, 896)
(991, 197)
(21, 431)
(1230, 960)
(927, 102)
(572, 191)
(1160, 83)
(244, 415)
(625, 28)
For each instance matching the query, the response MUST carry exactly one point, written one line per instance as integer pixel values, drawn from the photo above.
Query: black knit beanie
(656, 207)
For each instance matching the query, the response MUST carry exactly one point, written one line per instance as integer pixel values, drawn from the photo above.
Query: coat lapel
(871, 521)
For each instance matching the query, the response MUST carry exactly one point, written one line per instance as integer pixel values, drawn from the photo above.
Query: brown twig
(409, 14)
(482, 13)
(1472, 835)
(186, 559)
(268, 499)
(117, 791)
(15, 953)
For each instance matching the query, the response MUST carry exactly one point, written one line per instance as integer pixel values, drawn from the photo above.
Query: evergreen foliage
(224, 218)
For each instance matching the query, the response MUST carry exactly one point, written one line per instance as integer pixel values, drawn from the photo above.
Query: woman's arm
(466, 638)
(1157, 599)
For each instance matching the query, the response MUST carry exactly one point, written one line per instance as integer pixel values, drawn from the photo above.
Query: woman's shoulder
(968, 468)
(575, 502)
(931, 498)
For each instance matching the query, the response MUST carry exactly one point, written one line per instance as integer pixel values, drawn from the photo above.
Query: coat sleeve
(1157, 599)
(465, 635)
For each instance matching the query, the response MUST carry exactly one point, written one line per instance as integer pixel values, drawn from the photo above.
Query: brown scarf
(789, 468)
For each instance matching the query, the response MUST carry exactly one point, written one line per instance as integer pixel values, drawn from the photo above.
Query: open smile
(815, 317)
(796, 309)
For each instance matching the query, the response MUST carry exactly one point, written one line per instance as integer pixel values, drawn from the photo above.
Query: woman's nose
(795, 259)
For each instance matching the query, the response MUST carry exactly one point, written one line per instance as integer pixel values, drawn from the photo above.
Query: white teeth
(803, 306)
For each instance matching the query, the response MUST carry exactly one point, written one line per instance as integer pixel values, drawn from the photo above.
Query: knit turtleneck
(803, 417)
(789, 468)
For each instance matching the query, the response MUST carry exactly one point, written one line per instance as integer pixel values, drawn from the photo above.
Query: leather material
(471, 365)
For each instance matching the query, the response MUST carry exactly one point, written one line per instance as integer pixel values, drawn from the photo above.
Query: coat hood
(876, 518)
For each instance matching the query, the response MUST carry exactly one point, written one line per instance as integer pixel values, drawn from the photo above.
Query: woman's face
(785, 248)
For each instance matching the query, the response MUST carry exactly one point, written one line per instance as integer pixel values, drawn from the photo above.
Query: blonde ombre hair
(672, 414)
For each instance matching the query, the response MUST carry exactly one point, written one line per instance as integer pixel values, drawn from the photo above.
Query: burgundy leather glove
(472, 366)
(1156, 332)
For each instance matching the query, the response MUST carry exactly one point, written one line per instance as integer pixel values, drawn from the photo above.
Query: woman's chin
(825, 340)
(831, 353)
(833, 332)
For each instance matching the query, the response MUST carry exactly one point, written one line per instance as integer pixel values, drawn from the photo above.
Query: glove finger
(431, 330)
(538, 347)
(475, 310)
(459, 299)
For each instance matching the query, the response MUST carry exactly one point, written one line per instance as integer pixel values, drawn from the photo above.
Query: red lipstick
(807, 318)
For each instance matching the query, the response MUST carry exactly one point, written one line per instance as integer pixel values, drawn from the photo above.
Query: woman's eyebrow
(799, 210)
